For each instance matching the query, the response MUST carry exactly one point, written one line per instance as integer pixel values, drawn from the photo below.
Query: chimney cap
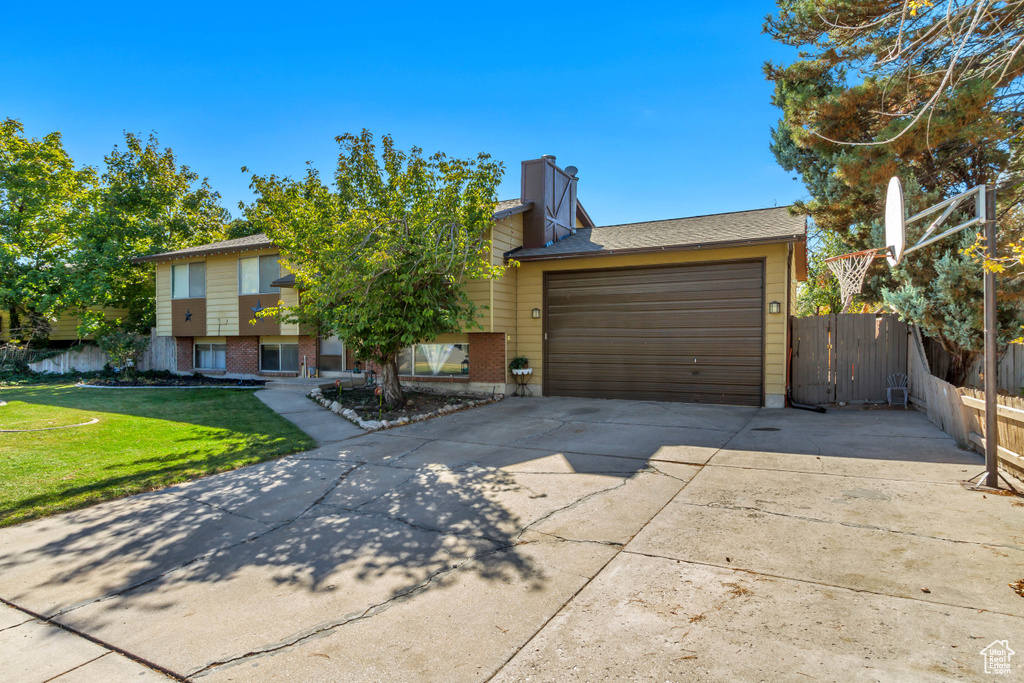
(549, 157)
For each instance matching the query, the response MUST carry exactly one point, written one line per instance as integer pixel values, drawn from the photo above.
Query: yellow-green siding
(65, 327)
(221, 295)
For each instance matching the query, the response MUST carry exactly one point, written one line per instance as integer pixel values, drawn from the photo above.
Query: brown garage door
(673, 333)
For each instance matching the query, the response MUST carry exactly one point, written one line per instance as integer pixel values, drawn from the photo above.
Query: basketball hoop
(850, 270)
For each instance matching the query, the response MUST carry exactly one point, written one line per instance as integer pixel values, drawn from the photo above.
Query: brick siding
(185, 357)
(243, 355)
(487, 357)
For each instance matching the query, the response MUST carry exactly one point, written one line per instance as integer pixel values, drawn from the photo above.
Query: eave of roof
(251, 243)
(652, 250)
(286, 281)
(712, 231)
(506, 208)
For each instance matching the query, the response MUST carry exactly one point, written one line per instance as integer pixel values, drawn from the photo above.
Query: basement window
(279, 357)
(434, 360)
(210, 356)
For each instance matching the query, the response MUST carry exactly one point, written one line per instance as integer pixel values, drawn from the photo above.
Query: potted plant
(520, 365)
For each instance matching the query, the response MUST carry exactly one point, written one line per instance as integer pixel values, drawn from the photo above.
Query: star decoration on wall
(256, 309)
(188, 315)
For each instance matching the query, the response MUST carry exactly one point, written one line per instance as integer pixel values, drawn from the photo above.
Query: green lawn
(145, 439)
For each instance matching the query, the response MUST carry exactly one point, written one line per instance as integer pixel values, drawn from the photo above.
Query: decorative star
(256, 309)
(188, 315)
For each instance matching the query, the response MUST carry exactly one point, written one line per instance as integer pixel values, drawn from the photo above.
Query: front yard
(144, 439)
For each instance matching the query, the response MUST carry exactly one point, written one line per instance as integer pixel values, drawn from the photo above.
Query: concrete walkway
(540, 540)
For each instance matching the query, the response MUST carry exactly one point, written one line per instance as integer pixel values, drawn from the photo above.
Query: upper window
(188, 281)
(256, 273)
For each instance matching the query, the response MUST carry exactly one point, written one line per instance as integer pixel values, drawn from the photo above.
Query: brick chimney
(553, 193)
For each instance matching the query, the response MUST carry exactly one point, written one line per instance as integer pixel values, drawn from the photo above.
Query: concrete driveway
(538, 540)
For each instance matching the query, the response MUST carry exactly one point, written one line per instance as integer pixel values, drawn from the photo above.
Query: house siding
(222, 295)
(163, 299)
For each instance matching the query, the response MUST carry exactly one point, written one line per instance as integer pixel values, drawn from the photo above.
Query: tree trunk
(391, 388)
(960, 363)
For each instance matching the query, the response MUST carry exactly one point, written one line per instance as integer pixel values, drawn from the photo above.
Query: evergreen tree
(925, 91)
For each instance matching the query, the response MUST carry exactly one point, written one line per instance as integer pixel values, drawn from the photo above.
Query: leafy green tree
(382, 257)
(42, 196)
(124, 348)
(926, 91)
(145, 203)
(239, 227)
(820, 294)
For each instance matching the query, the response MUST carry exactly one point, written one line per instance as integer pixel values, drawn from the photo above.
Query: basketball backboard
(895, 221)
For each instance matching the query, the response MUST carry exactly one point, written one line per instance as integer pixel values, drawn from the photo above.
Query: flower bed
(362, 406)
(167, 379)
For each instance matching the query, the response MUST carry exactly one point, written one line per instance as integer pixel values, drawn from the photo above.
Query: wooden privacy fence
(846, 357)
(1010, 370)
(160, 355)
(960, 411)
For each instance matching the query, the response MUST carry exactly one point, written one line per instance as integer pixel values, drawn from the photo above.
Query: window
(210, 356)
(256, 273)
(279, 357)
(434, 360)
(188, 281)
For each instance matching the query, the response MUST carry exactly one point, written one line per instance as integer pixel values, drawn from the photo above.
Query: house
(689, 309)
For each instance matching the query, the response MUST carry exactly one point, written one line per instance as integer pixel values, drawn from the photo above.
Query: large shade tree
(382, 256)
(42, 199)
(145, 203)
(928, 91)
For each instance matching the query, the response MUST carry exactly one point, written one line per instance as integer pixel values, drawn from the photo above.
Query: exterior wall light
(536, 313)
(775, 307)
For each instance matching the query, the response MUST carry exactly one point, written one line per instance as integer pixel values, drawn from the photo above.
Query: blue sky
(663, 108)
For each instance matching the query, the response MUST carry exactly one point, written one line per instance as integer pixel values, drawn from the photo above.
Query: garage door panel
(635, 333)
(606, 296)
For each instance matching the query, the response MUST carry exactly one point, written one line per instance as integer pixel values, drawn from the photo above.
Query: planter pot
(523, 371)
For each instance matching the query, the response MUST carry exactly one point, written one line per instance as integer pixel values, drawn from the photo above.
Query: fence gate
(845, 357)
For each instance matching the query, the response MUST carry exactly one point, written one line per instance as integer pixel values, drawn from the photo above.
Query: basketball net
(850, 270)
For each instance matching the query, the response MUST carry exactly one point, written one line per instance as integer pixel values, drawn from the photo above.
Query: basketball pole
(991, 361)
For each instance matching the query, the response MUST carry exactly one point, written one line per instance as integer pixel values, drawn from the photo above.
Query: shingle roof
(259, 241)
(503, 209)
(509, 207)
(740, 227)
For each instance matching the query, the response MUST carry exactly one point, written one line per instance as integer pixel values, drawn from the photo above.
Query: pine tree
(918, 90)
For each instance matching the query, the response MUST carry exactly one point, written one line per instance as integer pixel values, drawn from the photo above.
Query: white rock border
(317, 396)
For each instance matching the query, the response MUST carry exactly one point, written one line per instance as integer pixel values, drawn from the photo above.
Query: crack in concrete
(852, 525)
(20, 623)
(561, 423)
(420, 527)
(178, 494)
(570, 506)
(322, 629)
(93, 639)
(655, 470)
(781, 577)
(199, 558)
(75, 668)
